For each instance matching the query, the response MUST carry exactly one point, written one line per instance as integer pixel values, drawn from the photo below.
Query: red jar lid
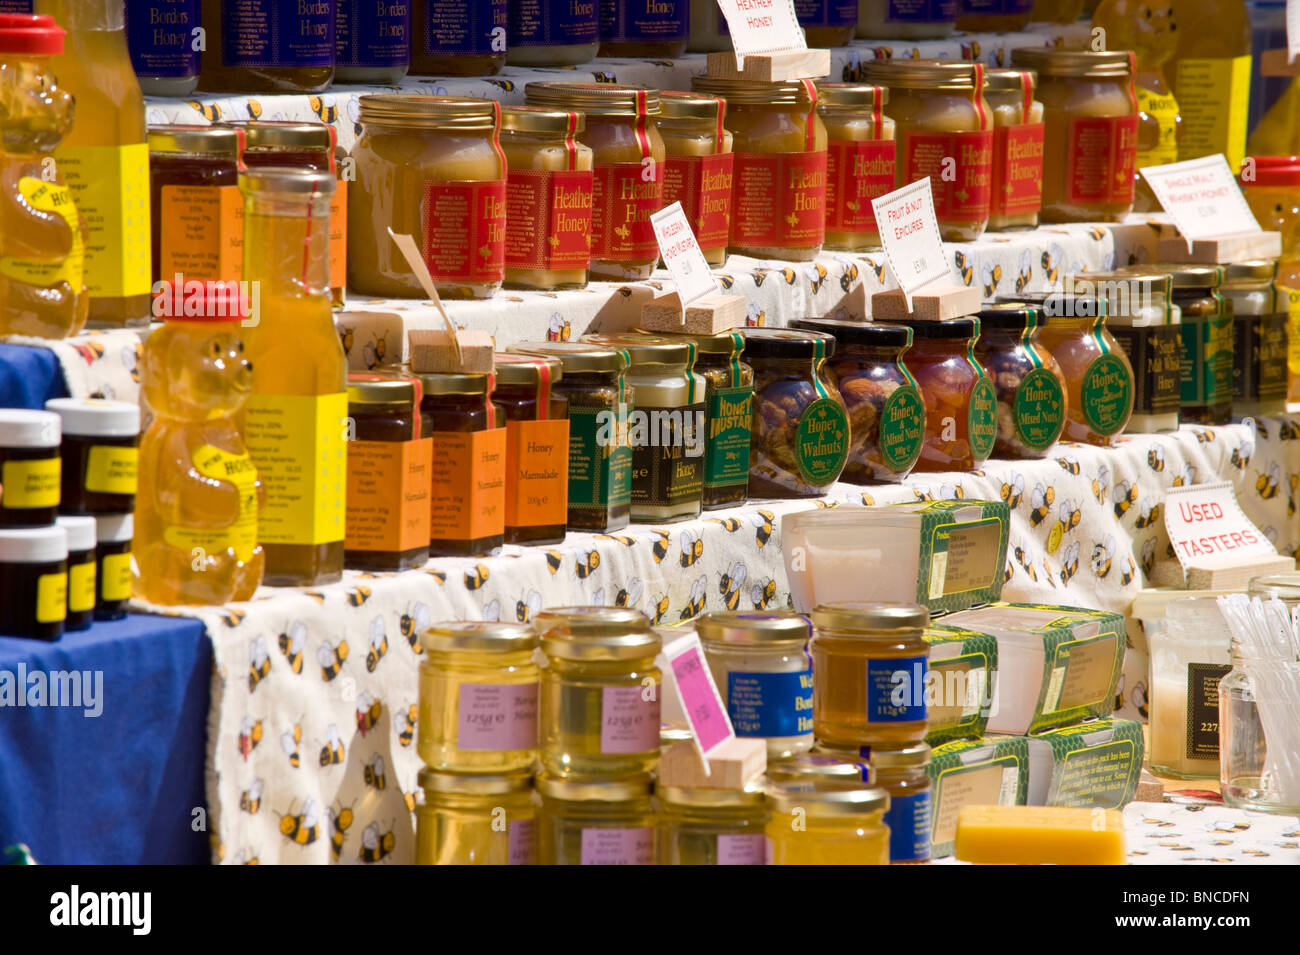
(32, 33)
(195, 301)
(1272, 171)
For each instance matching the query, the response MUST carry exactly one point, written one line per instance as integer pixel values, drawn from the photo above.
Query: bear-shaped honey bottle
(42, 237)
(199, 493)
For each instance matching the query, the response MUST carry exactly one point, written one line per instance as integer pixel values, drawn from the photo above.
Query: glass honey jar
(458, 37)
(871, 662)
(709, 826)
(430, 167)
(30, 467)
(478, 697)
(537, 447)
(699, 170)
(906, 19)
(100, 454)
(993, 16)
(553, 32)
(1027, 379)
(270, 47)
(860, 161)
(902, 773)
(814, 824)
(644, 29)
(476, 819)
(961, 404)
(844, 768)
(599, 821)
(1260, 338)
(373, 42)
(600, 691)
(1017, 188)
(1207, 333)
(827, 23)
(34, 579)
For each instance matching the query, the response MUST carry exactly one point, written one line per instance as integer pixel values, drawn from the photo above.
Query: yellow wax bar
(1040, 835)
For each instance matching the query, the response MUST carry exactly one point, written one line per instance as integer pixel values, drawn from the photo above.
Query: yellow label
(1163, 108)
(81, 587)
(31, 483)
(54, 198)
(111, 470)
(299, 446)
(241, 536)
(52, 598)
(1213, 96)
(110, 185)
(117, 576)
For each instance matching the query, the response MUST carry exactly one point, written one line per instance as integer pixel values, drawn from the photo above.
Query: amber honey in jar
(1090, 140)
(901, 773)
(194, 191)
(34, 580)
(629, 166)
(1207, 332)
(827, 22)
(711, 826)
(993, 16)
(644, 28)
(30, 467)
(100, 452)
(1027, 379)
(537, 447)
(548, 198)
(476, 819)
(814, 823)
(778, 193)
(860, 163)
(596, 821)
(553, 32)
(944, 129)
(276, 46)
(458, 37)
(1259, 354)
(698, 171)
(1018, 130)
(961, 404)
(906, 19)
(430, 167)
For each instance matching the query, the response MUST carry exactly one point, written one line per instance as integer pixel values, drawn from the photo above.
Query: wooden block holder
(1222, 250)
(1224, 574)
(709, 315)
(777, 67)
(938, 302)
(434, 352)
(734, 764)
(1275, 63)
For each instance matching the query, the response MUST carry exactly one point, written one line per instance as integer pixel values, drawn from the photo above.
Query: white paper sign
(1203, 198)
(682, 254)
(1292, 30)
(761, 26)
(701, 701)
(909, 233)
(1207, 526)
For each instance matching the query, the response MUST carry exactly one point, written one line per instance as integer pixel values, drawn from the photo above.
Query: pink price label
(522, 845)
(497, 716)
(742, 849)
(618, 846)
(629, 721)
(700, 700)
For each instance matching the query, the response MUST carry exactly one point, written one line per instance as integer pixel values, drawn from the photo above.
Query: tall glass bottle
(1210, 74)
(1244, 775)
(105, 159)
(297, 414)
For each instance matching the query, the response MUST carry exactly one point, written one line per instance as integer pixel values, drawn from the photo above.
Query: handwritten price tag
(682, 254)
(1203, 198)
(700, 699)
(1206, 525)
(762, 26)
(909, 233)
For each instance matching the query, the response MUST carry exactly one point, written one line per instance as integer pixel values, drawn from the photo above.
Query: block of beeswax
(1039, 835)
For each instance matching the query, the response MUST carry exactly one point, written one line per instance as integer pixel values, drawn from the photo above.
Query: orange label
(339, 236)
(537, 473)
(469, 485)
(202, 233)
(388, 495)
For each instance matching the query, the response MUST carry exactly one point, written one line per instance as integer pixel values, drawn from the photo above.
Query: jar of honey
(273, 47)
(645, 29)
(476, 819)
(113, 533)
(815, 824)
(553, 32)
(906, 20)
(537, 447)
(629, 166)
(844, 768)
(30, 467)
(871, 662)
(1207, 331)
(902, 773)
(458, 37)
(1018, 130)
(699, 166)
(548, 198)
(81, 572)
(860, 162)
(478, 697)
(827, 23)
(596, 821)
(599, 698)
(372, 42)
(993, 16)
(1090, 139)
(100, 455)
(1259, 353)
(1027, 379)
(430, 167)
(709, 30)
(34, 580)
(778, 195)
(160, 38)
(710, 826)
(944, 129)
(961, 404)
(194, 191)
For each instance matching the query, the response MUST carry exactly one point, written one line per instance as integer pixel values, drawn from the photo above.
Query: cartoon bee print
(1148, 555)
(951, 492)
(246, 856)
(91, 352)
(729, 586)
(1240, 457)
(438, 575)
(291, 645)
(332, 753)
(1025, 272)
(413, 623)
(1288, 431)
(725, 280)
(289, 741)
(250, 800)
(763, 521)
(600, 76)
(374, 773)
(1070, 563)
(378, 644)
(1008, 572)
(1100, 483)
(631, 595)
(316, 595)
(507, 86)
(557, 329)
(1040, 503)
(849, 277)
(1052, 263)
(1129, 572)
(989, 278)
(253, 108)
(374, 352)
(259, 662)
(816, 276)
(340, 823)
(404, 724)
(324, 108)
(301, 828)
(1103, 555)
(659, 550)
(755, 317)
(376, 845)
(763, 593)
(358, 596)
(492, 611)
(368, 712)
(250, 734)
(554, 561)
(964, 268)
(586, 564)
(878, 270)
(1203, 437)
(331, 658)
(789, 274)
(233, 618)
(660, 610)
(1293, 482)
(728, 524)
(759, 277)
(476, 577)
(211, 112)
(1126, 495)
(1069, 515)
(528, 606)
(1069, 464)
(698, 598)
(131, 356)
(1148, 514)
(1266, 484)
(692, 548)
(1026, 564)
(624, 539)
(922, 493)
(347, 335)
(1187, 477)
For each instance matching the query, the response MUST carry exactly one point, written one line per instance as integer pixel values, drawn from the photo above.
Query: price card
(699, 696)
(762, 26)
(682, 255)
(1292, 30)
(1203, 198)
(1207, 526)
(909, 233)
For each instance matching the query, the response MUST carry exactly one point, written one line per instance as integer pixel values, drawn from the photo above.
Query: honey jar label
(270, 33)
(1017, 170)
(962, 556)
(388, 490)
(463, 26)
(826, 13)
(1259, 357)
(116, 584)
(469, 486)
(644, 20)
(1102, 153)
(921, 11)
(618, 846)
(778, 200)
(201, 233)
(547, 23)
(496, 717)
(53, 198)
(982, 420)
(465, 230)
(1039, 409)
(821, 442)
(629, 719)
(902, 428)
(1156, 356)
(856, 173)
(624, 195)
(81, 587)
(909, 826)
(1202, 713)
(373, 34)
(548, 219)
(1163, 109)
(667, 455)
(770, 705)
(1207, 360)
(997, 7)
(1083, 675)
(896, 689)
(1106, 393)
(298, 444)
(52, 598)
(742, 849)
(600, 470)
(726, 450)
(960, 167)
(159, 37)
(1213, 98)
(339, 235)
(537, 473)
(702, 184)
(521, 842)
(31, 484)
(238, 535)
(112, 470)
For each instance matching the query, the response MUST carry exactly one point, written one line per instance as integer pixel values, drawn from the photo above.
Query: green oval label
(1039, 409)
(822, 442)
(1107, 395)
(902, 428)
(982, 422)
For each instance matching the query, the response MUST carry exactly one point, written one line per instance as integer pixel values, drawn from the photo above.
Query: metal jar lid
(851, 96)
(951, 75)
(526, 371)
(267, 134)
(429, 112)
(367, 388)
(1009, 81)
(207, 140)
(905, 757)
(475, 784)
(826, 800)
(755, 628)
(751, 797)
(858, 334)
(787, 343)
(1245, 273)
(754, 92)
(644, 349)
(534, 120)
(691, 106)
(594, 788)
(597, 633)
(577, 358)
(1088, 64)
(870, 617)
(825, 769)
(1185, 276)
(453, 384)
(478, 635)
(604, 99)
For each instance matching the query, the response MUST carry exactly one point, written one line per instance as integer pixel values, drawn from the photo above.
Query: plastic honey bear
(199, 495)
(42, 237)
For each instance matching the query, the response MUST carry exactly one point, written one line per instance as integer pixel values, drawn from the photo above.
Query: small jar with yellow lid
(429, 167)
(906, 19)
(548, 198)
(1260, 339)
(842, 768)
(600, 691)
(537, 447)
(31, 471)
(708, 826)
(699, 166)
(628, 172)
(1090, 139)
(476, 819)
(478, 697)
(778, 195)
(871, 662)
(860, 164)
(100, 454)
(816, 824)
(601, 821)
(458, 37)
(944, 129)
(1018, 130)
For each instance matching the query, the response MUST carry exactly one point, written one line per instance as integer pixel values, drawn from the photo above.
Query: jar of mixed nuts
(1029, 383)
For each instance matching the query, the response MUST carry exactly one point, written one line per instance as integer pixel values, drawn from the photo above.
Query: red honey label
(702, 184)
(548, 219)
(465, 230)
(1102, 154)
(856, 173)
(962, 187)
(1017, 169)
(624, 196)
(779, 199)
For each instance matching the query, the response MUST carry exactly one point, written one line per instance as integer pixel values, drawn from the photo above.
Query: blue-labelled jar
(827, 23)
(268, 46)
(161, 36)
(459, 37)
(761, 666)
(906, 19)
(644, 28)
(372, 41)
(901, 773)
(553, 32)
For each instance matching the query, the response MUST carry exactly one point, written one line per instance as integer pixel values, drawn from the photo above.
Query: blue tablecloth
(29, 377)
(122, 786)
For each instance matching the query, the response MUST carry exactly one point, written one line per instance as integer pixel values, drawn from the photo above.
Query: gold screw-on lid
(429, 112)
(1048, 61)
(576, 357)
(475, 784)
(872, 617)
(1256, 270)
(267, 134)
(822, 799)
(366, 388)
(849, 772)
(594, 789)
(850, 95)
(478, 635)
(606, 99)
(921, 74)
(677, 106)
(211, 140)
(526, 370)
(905, 757)
(1185, 276)
(453, 384)
(753, 628)
(534, 119)
(1009, 81)
(596, 633)
(645, 349)
(753, 92)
